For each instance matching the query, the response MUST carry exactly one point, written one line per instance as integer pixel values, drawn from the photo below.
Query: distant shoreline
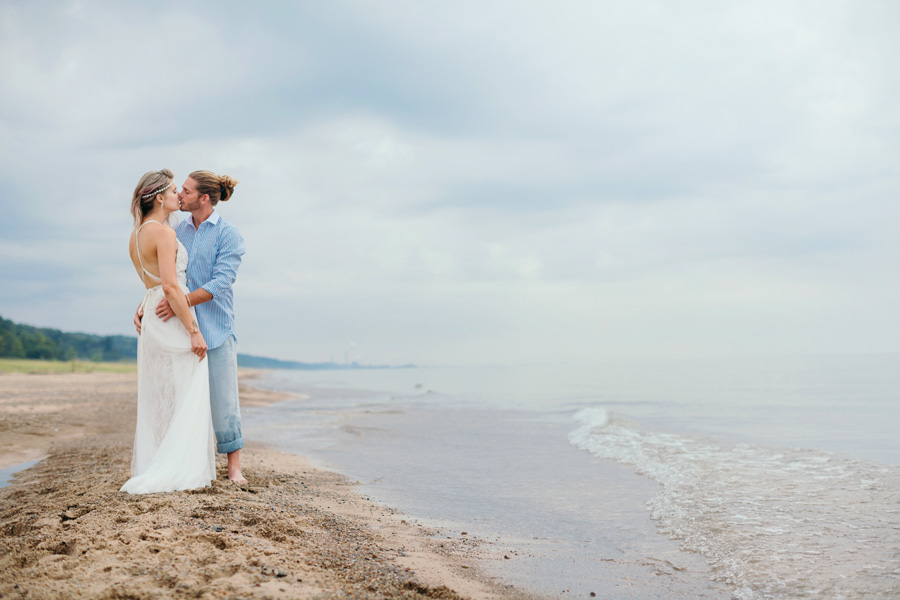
(19, 342)
(40, 365)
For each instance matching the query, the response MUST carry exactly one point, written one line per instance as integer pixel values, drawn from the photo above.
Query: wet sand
(294, 531)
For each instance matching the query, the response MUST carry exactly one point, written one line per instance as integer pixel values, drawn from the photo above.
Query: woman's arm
(166, 249)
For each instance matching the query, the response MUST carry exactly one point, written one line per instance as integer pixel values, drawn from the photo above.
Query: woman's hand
(198, 345)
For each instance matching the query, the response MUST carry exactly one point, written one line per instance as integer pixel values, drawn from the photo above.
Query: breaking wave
(773, 522)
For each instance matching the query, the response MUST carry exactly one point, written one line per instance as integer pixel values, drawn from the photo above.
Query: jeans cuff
(230, 447)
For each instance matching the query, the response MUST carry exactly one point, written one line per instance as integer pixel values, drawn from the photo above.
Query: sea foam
(773, 522)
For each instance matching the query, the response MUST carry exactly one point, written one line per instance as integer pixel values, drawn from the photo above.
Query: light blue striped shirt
(214, 255)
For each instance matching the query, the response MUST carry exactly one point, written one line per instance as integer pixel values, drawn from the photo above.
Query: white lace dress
(174, 438)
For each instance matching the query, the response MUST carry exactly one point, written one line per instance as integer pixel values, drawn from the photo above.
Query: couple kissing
(187, 397)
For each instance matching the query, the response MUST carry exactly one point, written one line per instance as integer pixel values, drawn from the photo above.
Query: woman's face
(169, 198)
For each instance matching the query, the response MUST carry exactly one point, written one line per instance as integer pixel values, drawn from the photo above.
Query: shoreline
(571, 525)
(296, 531)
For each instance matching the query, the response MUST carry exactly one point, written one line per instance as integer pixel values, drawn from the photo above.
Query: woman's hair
(219, 187)
(150, 185)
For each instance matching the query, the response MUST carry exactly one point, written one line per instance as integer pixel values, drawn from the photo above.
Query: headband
(154, 191)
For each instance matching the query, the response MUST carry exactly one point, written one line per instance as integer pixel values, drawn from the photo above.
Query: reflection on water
(6, 474)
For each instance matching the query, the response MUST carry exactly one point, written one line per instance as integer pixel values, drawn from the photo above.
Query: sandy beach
(294, 531)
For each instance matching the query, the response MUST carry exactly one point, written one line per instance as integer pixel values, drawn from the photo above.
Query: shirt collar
(212, 220)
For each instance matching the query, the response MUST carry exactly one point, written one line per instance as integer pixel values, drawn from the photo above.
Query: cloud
(467, 182)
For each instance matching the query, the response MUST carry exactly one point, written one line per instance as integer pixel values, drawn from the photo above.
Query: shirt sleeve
(228, 259)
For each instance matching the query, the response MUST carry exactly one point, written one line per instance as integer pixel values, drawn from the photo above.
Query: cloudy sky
(471, 182)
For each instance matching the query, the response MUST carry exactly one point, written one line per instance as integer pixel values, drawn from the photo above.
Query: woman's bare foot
(234, 467)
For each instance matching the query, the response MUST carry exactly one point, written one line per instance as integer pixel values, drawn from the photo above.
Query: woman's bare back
(143, 248)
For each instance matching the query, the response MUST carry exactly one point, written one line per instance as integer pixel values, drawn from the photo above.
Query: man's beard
(185, 207)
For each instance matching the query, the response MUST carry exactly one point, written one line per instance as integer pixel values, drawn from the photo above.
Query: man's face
(189, 198)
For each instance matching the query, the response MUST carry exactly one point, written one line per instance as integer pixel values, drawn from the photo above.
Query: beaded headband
(155, 191)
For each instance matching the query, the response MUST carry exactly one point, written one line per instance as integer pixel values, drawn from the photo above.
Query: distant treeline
(25, 341)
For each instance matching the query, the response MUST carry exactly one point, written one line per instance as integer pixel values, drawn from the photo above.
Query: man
(214, 248)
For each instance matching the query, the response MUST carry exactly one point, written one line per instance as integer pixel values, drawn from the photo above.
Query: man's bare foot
(234, 467)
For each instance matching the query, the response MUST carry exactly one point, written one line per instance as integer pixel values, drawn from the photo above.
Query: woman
(173, 442)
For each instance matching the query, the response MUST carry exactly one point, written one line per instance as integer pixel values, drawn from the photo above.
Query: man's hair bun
(227, 183)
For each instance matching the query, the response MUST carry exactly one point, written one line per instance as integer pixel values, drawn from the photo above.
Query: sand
(294, 531)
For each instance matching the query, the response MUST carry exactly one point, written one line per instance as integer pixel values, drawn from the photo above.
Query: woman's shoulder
(154, 230)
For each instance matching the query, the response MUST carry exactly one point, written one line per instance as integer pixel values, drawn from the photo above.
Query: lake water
(771, 478)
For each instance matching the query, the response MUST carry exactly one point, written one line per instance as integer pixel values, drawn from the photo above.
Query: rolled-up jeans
(223, 396)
